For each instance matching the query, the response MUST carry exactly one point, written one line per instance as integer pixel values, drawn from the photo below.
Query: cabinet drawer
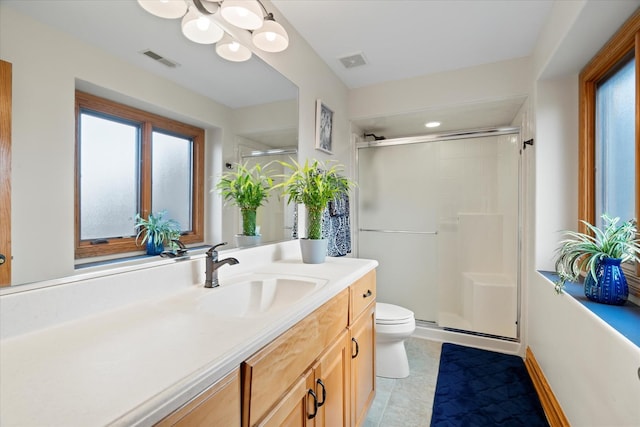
(362, 293)
(268, 374)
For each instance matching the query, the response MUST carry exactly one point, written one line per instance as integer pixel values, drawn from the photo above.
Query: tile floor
(407, 402)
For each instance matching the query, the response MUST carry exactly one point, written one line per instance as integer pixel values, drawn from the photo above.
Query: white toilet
(394, 324)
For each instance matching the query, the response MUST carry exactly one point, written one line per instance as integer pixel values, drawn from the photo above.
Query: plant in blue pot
(599, 254)
(155, 231)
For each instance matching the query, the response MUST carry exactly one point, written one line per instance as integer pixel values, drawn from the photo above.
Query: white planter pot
(243, 241)
(313, 251)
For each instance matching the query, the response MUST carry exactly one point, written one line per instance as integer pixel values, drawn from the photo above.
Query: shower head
(375, 137)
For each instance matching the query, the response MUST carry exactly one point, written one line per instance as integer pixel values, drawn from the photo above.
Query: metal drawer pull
(368, 294)
(324, 393)
(353, 356)
(315, 404)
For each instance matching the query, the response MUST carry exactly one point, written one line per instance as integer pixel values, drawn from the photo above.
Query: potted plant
(599, 255)
(156, 231)
(247, 188)
(314, 185)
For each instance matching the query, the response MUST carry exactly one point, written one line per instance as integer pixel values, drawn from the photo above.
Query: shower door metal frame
(445, 136)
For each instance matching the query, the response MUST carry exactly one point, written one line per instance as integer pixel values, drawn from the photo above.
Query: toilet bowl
(394, 324)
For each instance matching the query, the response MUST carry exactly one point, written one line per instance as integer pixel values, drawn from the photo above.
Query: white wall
(556, 151)
(489, 82)
(592, 369)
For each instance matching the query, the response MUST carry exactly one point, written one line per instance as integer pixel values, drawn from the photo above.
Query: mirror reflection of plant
(173, 237)
(156, 228)
(582, 252)
(314, 184)
(247, 188)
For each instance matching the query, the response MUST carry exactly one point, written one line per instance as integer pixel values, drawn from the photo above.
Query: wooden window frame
(625, 42)
(148, 122)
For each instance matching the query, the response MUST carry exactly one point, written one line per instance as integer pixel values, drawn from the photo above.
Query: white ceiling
(398, 38)
(408, 38)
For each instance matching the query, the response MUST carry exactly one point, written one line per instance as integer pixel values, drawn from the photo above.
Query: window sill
(131, 260)
(624, 319)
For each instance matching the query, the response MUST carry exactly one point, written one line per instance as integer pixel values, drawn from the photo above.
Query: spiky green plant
(313, 184)
(582, 252)
(156, 228)
(247, 188)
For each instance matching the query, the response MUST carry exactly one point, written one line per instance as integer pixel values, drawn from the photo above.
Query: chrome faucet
(212, 266)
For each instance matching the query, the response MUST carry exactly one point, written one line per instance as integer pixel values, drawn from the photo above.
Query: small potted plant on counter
(156, 231)
(599, 255)
(314, 185)
(248, 189)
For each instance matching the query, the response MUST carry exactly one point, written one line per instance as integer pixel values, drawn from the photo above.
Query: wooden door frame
(5, 171)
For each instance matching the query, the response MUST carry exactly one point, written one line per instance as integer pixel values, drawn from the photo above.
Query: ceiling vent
(161, 59)
(355, 60)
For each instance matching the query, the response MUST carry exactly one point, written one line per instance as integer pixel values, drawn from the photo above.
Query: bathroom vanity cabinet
(362, 334)
(219, 405)
(321, 371)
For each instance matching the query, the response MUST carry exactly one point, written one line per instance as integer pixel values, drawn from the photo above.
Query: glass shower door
(398, 223)
(441, 218)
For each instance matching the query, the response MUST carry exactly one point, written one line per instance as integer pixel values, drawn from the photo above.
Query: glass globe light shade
(200, 28)
(245, 14)
(231, 50)
(169, 9)
(271, 37)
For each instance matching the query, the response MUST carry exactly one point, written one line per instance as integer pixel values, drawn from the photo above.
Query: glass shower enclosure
(441, 216)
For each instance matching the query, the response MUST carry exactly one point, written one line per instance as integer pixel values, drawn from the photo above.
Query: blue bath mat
(483, 388)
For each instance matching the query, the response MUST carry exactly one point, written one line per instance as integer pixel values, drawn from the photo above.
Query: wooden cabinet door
(332, 384)
(219, 405)
(298, 408)
(363, 374)
(270, 372)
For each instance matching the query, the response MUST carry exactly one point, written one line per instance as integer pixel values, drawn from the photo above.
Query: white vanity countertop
(136, 364)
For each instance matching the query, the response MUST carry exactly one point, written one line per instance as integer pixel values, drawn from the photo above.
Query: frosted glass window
(108, 177)
(171, 175)
(615, 144)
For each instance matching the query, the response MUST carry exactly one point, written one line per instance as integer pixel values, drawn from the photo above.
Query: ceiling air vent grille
(355, 60)
(161, 59)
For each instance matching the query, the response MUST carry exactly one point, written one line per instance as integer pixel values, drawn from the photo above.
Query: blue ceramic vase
(154, 248)
(611, 287)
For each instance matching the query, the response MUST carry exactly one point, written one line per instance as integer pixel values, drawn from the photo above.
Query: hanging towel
(336, 227)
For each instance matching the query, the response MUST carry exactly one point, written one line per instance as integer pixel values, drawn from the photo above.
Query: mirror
(56, 47)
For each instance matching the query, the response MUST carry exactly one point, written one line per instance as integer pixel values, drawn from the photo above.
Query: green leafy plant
(247, 188)
(156, 228)
(582, 252)
(313, 184)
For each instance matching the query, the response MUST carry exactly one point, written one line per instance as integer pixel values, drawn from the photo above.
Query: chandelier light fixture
(200, 24)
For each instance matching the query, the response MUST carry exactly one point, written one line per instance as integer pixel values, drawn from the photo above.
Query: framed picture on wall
(324, 127)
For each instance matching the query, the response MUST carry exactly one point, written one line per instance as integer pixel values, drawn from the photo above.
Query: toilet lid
(392, 314)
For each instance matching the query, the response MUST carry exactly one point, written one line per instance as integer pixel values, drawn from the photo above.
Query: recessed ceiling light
(432, 124)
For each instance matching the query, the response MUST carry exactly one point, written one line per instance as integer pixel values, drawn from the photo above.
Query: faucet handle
(212, 250)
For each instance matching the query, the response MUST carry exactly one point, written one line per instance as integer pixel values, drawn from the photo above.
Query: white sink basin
(257, 295)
